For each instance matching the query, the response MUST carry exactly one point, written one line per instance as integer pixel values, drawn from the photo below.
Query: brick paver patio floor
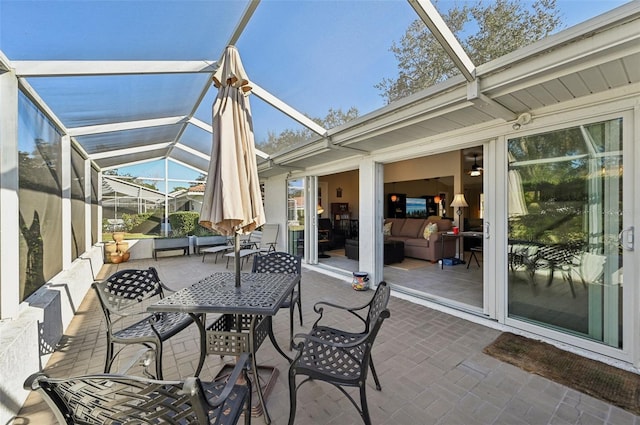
(430, 364)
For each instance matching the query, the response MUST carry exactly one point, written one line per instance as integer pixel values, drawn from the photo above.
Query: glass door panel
(295, 216)
(565, 214)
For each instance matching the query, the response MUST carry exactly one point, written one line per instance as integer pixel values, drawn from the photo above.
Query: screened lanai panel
(112, 141)
(122, 160)
(197, 138)
(198, 162)
(316, 77)
(84, 101)
(117, 30)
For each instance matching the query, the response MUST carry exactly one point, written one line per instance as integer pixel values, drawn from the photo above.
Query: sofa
(411, 231)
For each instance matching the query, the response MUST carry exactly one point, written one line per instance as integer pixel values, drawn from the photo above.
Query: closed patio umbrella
(232, 202)
(517, 206)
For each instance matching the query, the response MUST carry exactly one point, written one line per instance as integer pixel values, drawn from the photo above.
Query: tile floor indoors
(430, 364)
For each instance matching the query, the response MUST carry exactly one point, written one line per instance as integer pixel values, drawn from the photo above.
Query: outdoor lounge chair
(282, 262)
(268, 239)
(248, 246)
(122, 296)
(338, 357)
(118, 399)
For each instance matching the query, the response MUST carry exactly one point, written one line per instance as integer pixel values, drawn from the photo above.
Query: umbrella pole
(236, 250)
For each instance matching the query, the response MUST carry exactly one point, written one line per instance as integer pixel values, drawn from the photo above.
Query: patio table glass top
(259, 293)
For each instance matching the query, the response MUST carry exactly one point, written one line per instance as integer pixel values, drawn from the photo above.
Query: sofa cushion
(411, 227)
(417, 242)
(396, 226)
(386, 230)
(396, 238)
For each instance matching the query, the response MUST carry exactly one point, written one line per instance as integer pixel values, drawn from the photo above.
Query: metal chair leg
(292, 397)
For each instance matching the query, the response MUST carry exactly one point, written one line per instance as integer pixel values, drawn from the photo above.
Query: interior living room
(436, 265)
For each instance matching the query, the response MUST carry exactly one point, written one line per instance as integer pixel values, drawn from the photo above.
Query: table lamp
(459, 202)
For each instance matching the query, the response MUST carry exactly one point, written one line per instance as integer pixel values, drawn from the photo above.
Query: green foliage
(278, 142)
(132, 221)
(486, 31)
(200, 230)
(183, 223)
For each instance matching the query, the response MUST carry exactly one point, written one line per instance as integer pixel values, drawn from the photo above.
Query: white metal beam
(283, 107)
(201, 124)
(83, 68)
(128, 164)
(192, 151)
(5, 63)
(244, 20)
(120, 126)
(184, 164)
(129, 151)
(488, 105)
(432, 19)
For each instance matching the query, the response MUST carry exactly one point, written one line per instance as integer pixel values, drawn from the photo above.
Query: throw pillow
(386, 231)
(429, 229)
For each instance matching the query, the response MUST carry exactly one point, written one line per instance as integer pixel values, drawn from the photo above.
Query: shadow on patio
(430, 364)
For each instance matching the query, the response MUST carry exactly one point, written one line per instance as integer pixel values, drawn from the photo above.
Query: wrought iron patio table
(246, 314)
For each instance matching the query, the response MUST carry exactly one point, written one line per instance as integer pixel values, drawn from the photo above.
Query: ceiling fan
(476, 170)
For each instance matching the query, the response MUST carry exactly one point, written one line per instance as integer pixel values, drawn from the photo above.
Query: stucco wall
(26, 343)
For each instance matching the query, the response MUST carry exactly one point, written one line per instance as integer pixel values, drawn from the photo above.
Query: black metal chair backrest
(129, 287)
(277, 262)
(118, 399)
(378, 303)
(124, 297)
(338, 357)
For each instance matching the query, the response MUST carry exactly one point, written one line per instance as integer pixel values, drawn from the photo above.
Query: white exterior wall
(275, 207)
(623, 102)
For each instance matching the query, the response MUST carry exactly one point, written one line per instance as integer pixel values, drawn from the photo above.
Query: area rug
(410, 264)
(599, 380)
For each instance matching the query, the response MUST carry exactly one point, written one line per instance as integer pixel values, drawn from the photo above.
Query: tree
(277, 142)
(485, 31)
(128, 176)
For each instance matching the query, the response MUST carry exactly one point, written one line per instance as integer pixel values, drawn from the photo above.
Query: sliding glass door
(295, 216)
(565, 204)
(302, 226)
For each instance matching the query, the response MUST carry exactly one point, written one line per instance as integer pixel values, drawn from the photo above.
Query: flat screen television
(416, 208)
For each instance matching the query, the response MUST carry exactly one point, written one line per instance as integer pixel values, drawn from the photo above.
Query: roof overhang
(598, 55)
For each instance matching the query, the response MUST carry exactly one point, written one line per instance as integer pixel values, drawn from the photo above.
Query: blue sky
(312, 54)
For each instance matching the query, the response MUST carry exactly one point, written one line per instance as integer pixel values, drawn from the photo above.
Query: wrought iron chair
(282, 262)
(118, 399)
(338, 357)
(122, 297)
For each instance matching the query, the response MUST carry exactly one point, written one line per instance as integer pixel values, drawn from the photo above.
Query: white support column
(99, 218)
(370, 237)
(311, 220)
(88, 217)
(10, 234)
(65, 165)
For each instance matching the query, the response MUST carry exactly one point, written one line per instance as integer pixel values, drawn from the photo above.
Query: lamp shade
(459, 201)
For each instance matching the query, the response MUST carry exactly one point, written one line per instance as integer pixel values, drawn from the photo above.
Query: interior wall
(426, 167)
(348, 181)
(472, 195)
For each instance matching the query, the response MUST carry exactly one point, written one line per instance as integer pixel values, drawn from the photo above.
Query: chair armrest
(193, 386)
(299, 346)
(318, 308)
